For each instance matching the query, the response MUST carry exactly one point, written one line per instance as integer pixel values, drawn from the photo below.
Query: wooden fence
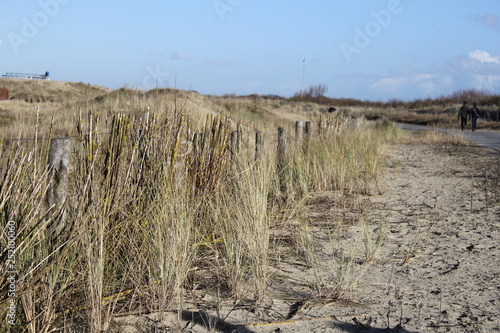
(60, 151)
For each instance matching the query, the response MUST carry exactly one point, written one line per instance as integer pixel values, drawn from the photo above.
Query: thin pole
(303, 75)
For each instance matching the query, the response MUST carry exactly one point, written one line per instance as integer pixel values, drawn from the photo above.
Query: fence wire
(43, 139)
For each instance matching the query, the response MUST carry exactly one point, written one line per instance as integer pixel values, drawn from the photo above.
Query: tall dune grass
(349, 160)
(241, 218)
(172, 238)
(146, 189)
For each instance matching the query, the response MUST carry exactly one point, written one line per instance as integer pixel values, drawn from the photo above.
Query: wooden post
(281, 145)
(58, 172)
(57, 191)
(258, 144)
(299, 128)
(234, 144)
(359, 121)
(323, 127)
(309, 128)
(307, 141)
(281, 161)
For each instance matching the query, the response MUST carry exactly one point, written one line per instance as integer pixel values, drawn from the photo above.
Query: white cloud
(483, 57)
(477, 69)
(180, 55)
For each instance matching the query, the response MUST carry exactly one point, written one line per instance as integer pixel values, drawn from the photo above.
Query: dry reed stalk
(208, 160)
(102, 199)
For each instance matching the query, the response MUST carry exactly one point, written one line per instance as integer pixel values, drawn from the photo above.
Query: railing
(27, 76)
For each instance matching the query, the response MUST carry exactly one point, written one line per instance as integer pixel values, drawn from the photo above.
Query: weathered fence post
(299, 128)
(258, 145)
(309, 128)
(281, 145)
(281, 161)
(323, 127)
(57, 191)
(359, 121)
(234, 144)
(307, 140)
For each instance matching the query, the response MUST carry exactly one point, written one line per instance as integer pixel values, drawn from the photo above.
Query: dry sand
(437, 270)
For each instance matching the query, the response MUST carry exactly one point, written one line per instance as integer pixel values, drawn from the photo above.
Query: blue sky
(365, 49)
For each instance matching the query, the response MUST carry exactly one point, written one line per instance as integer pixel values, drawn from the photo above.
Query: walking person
(474, 114)
(463, 114)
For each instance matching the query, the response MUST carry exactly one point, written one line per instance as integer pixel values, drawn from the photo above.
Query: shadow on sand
(351, 328)
(211, 322)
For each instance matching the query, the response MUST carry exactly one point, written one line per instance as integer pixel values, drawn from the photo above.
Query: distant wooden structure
(4, 94)
(45, 76)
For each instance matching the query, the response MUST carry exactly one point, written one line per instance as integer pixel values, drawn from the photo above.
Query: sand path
(438, 269)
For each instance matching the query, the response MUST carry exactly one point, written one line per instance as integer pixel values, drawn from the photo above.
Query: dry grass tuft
(435, 138)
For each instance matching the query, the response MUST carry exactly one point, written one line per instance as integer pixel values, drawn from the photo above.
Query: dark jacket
(474, 111)
(464, 112)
